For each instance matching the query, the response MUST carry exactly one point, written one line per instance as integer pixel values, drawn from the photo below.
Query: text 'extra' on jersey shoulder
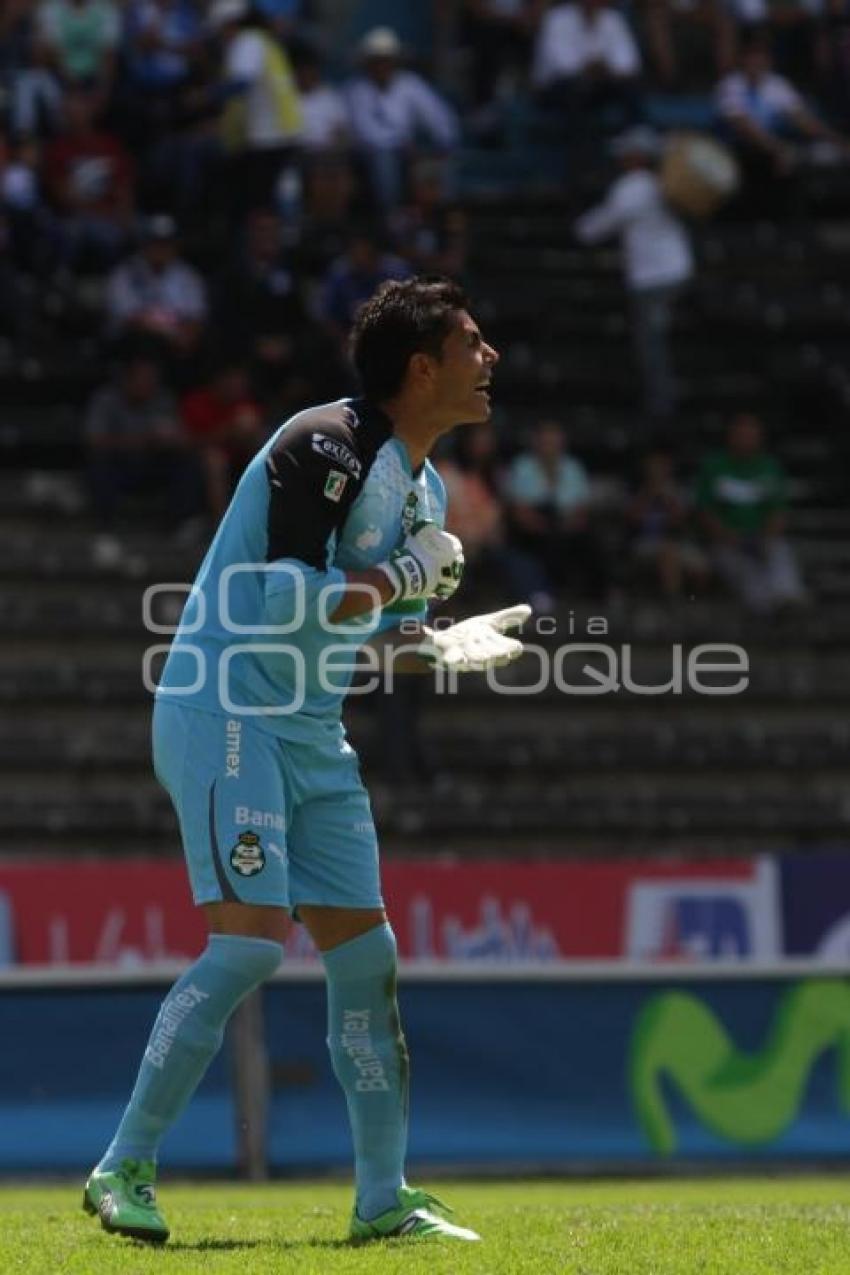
(316, 467)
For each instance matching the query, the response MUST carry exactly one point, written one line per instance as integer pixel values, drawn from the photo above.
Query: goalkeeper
(334, 534)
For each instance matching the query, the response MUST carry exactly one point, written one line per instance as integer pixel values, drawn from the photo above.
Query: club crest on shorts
(248, 857)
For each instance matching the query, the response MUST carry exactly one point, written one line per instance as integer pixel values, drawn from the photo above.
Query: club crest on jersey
(409, 512)
(248, 857)
(337, 452)
(335, 485)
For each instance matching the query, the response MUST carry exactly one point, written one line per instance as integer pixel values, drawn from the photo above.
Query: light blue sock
(186, 1037)
(369, 1058)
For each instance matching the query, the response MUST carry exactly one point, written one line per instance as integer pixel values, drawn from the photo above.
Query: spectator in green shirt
(80, 39)
(741, 499)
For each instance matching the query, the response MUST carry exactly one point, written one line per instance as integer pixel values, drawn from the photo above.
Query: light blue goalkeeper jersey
(332, 491)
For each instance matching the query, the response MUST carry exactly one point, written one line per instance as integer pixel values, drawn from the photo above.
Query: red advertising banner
(130, 912)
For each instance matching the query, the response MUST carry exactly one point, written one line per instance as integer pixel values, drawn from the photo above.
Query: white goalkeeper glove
(428, 565)
(477, 644)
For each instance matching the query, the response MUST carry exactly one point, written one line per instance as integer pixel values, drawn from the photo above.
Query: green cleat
(418, 1215)
(125, 1201)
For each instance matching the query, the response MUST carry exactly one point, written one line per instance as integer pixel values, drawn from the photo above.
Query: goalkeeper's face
(462, 375)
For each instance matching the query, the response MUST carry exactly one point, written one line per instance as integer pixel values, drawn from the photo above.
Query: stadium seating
(768, 322)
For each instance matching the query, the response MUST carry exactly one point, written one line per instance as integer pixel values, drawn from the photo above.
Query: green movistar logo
(746, 1098)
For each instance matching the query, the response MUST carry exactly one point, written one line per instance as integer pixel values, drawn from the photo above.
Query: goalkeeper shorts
(266, 821)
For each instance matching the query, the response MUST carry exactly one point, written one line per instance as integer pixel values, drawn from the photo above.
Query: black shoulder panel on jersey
(316, 469)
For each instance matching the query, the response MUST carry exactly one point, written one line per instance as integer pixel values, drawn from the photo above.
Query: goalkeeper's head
(416, 345)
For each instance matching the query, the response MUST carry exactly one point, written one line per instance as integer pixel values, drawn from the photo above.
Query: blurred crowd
(536, 526)
(224, 187)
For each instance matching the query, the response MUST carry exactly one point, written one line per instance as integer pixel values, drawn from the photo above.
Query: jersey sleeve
(315, 472)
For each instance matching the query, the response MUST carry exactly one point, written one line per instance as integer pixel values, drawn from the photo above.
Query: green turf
(737, 1227)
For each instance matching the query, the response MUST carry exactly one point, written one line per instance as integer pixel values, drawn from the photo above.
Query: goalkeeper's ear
(510, 618)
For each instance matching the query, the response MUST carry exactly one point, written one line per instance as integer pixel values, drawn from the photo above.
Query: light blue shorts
(263, 820)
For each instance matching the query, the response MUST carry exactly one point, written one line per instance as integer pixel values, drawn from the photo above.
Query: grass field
(737, 1227)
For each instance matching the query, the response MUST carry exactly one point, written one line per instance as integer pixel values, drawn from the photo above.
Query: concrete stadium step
(98, 609)
(448, 818)
(619, 752)
(118, 740)
(84, 557)
(802, 818)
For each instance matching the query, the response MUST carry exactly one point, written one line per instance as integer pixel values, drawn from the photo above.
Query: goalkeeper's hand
(478, 644)
(429, 564)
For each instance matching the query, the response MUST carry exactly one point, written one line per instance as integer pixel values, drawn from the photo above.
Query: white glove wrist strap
(410, 573)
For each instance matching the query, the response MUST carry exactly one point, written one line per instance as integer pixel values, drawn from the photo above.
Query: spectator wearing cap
(261, 119)
(657, 258)
(764, 115)
(80, 39)
(587, 60)
(742, 501)
(156, 293)
(90, 179)
(394, 112)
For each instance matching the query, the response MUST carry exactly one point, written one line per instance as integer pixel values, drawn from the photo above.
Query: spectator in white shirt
(393, 112)
(156, 293)
(587, 59)
(764, 115)
(657, 259)
(324, 114)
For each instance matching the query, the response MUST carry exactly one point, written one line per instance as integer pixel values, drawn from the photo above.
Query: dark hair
(402, 319)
